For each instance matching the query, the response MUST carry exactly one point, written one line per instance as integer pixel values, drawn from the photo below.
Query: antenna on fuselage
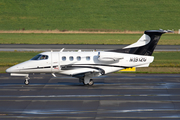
(62, 50)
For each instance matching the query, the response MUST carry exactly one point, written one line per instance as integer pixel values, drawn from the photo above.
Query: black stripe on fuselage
(74, 66)
(39, 67)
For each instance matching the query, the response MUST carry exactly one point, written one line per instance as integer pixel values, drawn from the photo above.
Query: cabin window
(87, 58)
(78, 58)
(71, 58)
(40, 57)
(63, 58)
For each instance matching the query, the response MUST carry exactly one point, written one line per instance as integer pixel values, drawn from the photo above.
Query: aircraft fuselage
(72, 63)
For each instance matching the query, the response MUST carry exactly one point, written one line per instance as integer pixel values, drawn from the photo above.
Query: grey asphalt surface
(114, 96)
(44, 47)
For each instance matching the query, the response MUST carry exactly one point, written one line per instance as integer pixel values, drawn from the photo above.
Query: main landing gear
(91, 82)
(86, 81)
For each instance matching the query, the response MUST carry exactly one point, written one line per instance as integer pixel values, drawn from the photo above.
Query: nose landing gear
(26, 82)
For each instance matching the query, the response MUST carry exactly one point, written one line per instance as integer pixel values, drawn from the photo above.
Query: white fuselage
(72, 63)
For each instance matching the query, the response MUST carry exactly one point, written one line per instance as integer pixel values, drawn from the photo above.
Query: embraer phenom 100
(86, 65)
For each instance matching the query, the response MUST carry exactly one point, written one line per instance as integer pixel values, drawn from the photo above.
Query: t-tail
(145, 45)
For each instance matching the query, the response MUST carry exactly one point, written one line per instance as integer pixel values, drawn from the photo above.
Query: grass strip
(91, 38)
(13, 58)
(159, 70)
(85, 14)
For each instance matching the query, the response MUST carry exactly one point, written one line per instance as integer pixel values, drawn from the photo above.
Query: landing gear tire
(26, 82)
(91, 82)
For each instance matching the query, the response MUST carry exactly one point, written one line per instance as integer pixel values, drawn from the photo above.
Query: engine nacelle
(105, 57)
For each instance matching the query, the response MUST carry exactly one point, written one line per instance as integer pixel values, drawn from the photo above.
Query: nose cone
(12, 69)
(8, 70)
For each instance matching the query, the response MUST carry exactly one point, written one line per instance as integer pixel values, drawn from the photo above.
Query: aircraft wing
(81, 75)
(81, 70)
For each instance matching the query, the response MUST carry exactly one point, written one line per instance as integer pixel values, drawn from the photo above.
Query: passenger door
(55, 65)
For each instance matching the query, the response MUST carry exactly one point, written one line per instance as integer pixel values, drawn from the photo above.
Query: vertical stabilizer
(145, 45)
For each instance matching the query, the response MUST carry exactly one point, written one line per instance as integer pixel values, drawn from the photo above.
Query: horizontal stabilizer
(144, 65)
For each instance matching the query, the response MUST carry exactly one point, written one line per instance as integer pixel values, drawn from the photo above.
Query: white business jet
(86, 65)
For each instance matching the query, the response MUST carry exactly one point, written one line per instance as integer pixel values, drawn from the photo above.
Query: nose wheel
(26, 82)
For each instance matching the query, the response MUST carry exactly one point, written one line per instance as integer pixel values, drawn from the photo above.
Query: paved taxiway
(27, 47)
(115, 96)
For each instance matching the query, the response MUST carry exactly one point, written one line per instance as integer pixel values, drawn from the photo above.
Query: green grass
(166, 59)
(87, 14)
(159, 70)
(12, 58)
(25, 38)
(165, 62)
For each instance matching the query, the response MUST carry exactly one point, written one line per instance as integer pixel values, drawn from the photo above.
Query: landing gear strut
(26, 82)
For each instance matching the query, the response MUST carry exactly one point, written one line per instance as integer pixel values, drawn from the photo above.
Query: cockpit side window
(43, 57)
(36, 57)
(40, 57)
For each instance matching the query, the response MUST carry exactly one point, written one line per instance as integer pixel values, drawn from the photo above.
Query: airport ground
(113, 96)
(116, 96)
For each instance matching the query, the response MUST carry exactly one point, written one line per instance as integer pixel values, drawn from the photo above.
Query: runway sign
(133, 69)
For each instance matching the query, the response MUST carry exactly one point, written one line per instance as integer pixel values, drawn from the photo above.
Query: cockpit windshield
(40, 57)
